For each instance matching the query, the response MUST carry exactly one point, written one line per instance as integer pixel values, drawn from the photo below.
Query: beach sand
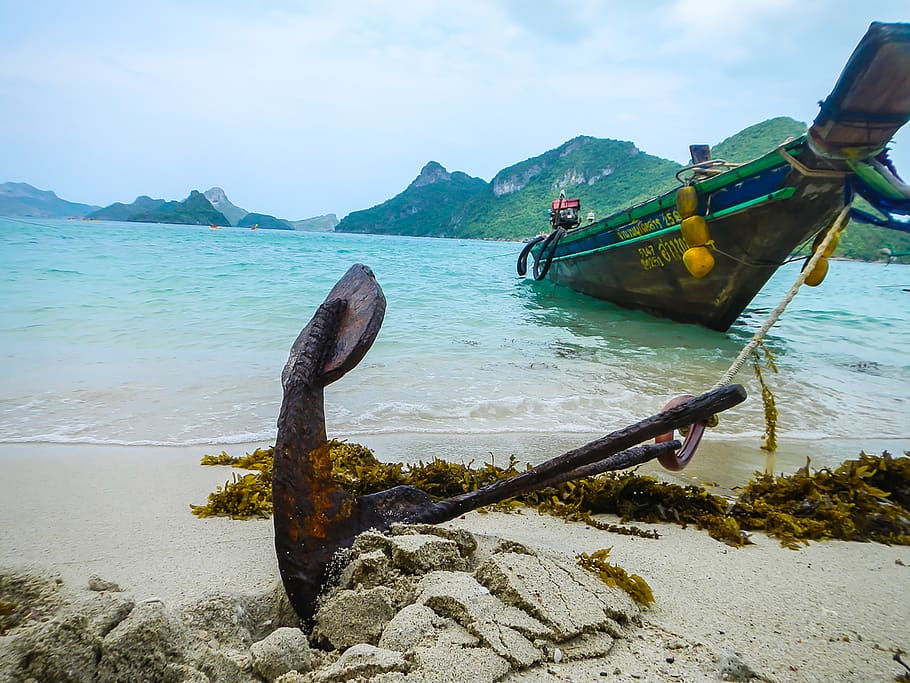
(830, 611)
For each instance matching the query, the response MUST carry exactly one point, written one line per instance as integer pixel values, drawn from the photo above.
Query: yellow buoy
(695, 231)
(831, 247)
(698, 261)
(686, 201)
(814, 279)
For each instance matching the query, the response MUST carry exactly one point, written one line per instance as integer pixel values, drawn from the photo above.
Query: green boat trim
(668, 199)
(778, 195)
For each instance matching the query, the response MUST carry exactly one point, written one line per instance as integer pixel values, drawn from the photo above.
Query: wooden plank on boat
(871, 99)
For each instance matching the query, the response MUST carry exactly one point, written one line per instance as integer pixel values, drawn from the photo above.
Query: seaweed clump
(638, 498)
(244, 496)
(355, 468)
(614, 575)
(867, 499)
(768, 403)
(260, 459)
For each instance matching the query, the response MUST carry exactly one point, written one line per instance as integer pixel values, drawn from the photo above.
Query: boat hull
(650, 274)
(756, 218)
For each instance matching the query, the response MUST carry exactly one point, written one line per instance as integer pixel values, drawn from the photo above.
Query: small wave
(404, 429)
(62, 271)
(101, 441)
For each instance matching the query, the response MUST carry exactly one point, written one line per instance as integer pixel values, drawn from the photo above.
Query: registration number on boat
(653, 224)
(662, 253)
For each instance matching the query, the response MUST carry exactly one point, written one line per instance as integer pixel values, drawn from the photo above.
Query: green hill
(750, 143)
(263, 220)
(428, 207)
(604, 174)
(194, 210)
(123, 212)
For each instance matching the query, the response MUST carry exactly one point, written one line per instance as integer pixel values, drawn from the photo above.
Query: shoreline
(832, 611)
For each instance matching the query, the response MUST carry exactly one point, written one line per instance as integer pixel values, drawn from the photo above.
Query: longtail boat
(700, 252)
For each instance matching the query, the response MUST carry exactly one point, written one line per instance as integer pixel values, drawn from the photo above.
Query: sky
(299, 109)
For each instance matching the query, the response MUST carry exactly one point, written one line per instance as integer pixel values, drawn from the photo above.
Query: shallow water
(124, 333)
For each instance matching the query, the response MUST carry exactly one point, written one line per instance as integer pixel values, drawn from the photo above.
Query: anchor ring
(675, 461)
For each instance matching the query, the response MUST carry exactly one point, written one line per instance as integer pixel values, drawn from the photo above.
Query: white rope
(835, 228)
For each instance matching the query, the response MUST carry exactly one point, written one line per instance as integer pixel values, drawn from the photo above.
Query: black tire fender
(547, 250)
(522, 266)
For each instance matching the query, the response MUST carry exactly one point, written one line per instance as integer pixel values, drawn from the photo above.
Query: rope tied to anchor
(775, 315)
(676, 461)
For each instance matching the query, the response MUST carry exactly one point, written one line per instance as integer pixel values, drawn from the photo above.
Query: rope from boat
(750, 264)
(676, 461)
(766, 264)
(710, 167)
(773, 317)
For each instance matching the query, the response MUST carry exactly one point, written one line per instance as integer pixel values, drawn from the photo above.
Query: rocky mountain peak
(215, 195)
(433, 172)
(219, 200)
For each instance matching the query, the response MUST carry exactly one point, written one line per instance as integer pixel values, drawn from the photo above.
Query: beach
(831, 611)
(122, 369)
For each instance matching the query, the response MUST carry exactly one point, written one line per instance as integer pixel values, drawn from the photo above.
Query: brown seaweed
(866, 499)
(614, 575)
(862, 500)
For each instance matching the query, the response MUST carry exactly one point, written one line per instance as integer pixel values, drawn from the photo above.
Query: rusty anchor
(315, 518)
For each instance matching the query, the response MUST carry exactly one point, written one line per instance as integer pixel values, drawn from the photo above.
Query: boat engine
(564, 212)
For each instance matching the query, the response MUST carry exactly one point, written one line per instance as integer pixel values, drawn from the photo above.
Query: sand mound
(420, 604)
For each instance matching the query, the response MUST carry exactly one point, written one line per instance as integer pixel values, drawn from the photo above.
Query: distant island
(218, 199)
(604, 174)
(21, 199)
(211, 207)
(324, 223)
(194, 210)
(261, 220)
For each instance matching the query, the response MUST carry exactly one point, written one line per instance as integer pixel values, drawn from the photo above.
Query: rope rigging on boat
(833, 232)
(704, 169)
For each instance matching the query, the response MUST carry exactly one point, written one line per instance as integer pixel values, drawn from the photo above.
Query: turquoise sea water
(121, 333)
